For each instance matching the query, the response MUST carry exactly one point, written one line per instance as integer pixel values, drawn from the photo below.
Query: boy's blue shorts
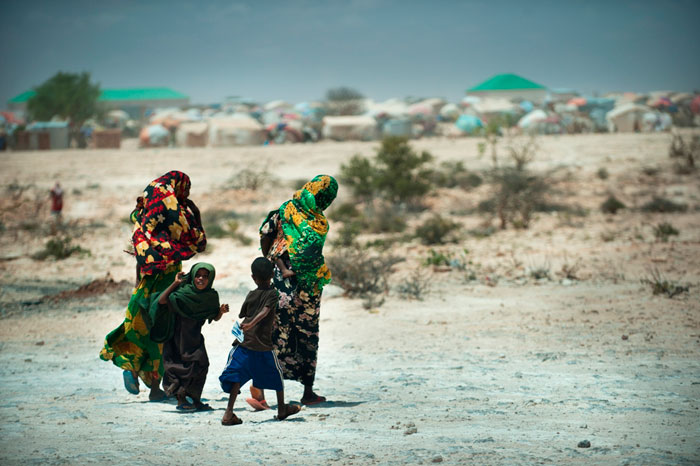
(244, 364)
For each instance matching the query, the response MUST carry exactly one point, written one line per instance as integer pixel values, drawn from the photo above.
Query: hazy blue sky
(296, 50)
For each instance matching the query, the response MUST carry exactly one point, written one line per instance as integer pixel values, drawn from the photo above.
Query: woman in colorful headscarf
(292, 238)
(167, 230)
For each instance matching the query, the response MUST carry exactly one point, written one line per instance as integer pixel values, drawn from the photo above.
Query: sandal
(130, 383)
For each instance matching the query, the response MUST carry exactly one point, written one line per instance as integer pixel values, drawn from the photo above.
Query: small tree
(398, 173)
(68, 95)
(344, 101)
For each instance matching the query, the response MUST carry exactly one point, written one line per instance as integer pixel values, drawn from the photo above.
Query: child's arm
(261, 315)
(164, 295)
(286, 273)
(222, 310)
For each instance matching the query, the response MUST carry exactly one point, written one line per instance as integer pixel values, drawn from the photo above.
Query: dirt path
(502, 369)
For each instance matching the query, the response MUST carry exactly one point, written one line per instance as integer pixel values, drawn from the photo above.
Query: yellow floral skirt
(129, 346)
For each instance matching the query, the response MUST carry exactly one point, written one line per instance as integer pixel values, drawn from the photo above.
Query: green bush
(397, 173)
(663, 205)
(452, 174)
(59, 248)
(362, 275)
(612, 205)
(343, 212)
(251, 179)
(516, 197)
(602, 173)
(437, 230)
(663, 231)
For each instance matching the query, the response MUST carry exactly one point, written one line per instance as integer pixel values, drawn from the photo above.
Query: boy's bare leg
(284, 410)
(229, 418)
(257, 393)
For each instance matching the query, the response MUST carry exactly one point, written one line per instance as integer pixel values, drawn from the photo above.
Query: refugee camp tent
(626, 118)
(48, 135)
(154, 135)
(510, 86)
(354, 127)
(493, 106)
(236, 130)
(398, 127)
(192, 134)
(468, 123)
(531, 120)
(391, 108)
(449, 112)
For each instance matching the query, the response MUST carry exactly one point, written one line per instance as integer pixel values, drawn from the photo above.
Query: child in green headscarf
(176, 317)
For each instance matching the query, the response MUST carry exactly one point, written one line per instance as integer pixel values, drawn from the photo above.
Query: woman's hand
(247, 326)
(192, 206)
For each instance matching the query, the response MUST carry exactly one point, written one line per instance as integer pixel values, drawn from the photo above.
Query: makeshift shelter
(626, 118)
(48, 135)
(510, 86)
(107, 138)
(489, 107)
(192, 134)
(356, 127)
(398, 127)
(532, 119)
(236, 130)
(468, 123)
(392, 108)
(449, 112)
(154, 136)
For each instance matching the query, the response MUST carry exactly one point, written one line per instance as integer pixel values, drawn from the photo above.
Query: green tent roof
(111, 95)
(503, 82)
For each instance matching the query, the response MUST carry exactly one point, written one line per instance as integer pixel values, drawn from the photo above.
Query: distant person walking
(167, 230)
(292, 238)
(56, 195)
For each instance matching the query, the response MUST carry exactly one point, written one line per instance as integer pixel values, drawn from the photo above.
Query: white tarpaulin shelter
(490, 106)
(626, 118)
(192, 134)
(235, 130)
(357, 127)
(532, 118)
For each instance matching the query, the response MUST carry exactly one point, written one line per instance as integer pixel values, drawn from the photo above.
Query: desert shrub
(415, 286)
(358, 175)
(664, 230)
(608, 236)
(452, 174)
(343, 212)
(517, 193)
(522, 150)
(220, 223)
(482, 231)
(684, 153)
(59, 248)
(663, 205)
(347, 234)
(397, 173)
(569, 269)
(250, 178)
(344, 100)
(437, 259)
(540, 271)
(602, 173)
(660, 285)
(611, 205)
(362, 275)
(650, 171)
(437, 230)
(384, 218)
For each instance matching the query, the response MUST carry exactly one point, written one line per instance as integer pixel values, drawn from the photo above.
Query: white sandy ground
(516, 373)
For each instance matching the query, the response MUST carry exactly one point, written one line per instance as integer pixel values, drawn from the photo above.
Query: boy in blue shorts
(254, 358)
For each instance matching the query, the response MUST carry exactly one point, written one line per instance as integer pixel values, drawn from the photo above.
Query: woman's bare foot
(288, 410)
(312, 399)
(230, 419)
